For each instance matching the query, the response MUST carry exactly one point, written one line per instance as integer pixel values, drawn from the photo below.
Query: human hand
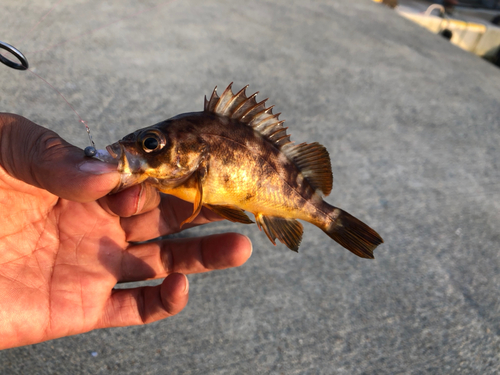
(64, 243)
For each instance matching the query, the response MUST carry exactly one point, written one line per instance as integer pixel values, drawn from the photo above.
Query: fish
(236, 157)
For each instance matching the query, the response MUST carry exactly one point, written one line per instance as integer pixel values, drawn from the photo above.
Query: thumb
(39, 157)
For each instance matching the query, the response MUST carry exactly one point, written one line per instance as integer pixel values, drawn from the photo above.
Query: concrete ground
(412, 126)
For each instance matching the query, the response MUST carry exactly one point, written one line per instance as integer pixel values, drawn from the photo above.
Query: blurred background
(471, 25)
(411, 122)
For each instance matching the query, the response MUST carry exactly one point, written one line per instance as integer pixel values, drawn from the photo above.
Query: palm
(48, 252)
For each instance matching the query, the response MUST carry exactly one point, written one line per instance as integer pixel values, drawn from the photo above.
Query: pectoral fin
(198, 199)
(288, 231)
(231, 213)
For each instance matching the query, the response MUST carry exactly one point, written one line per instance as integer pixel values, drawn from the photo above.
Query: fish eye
(152, 142)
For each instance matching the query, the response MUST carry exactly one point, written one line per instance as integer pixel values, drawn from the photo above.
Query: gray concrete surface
(412, 126)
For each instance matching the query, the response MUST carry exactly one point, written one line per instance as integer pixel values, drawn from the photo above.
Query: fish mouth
(115, 150)
(129, 165)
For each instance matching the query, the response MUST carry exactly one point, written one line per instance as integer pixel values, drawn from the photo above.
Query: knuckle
(167, 257)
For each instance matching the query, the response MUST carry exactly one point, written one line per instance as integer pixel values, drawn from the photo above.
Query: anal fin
(230, 213)
(288, 231)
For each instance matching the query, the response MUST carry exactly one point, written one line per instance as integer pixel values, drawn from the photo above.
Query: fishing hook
(12, 64)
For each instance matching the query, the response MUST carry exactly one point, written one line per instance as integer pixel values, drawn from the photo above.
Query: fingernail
(97, 167)
(140, 200)
(186, 286)
(251, 245)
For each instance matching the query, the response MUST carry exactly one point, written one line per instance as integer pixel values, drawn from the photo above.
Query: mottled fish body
(236, 156)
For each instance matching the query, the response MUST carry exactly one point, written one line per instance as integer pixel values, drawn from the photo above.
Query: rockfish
(236, 156)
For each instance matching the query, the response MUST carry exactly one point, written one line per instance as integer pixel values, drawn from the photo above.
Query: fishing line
(92, 31)
(90, 150)
(39, 22)
(24, 65)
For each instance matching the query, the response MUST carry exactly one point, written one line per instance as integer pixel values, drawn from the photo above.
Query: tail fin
(353, 234)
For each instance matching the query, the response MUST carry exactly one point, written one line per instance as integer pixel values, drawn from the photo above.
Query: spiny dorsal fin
(245, 108)
(312, 159)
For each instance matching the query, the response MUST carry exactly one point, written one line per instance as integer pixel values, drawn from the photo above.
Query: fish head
(162, 155)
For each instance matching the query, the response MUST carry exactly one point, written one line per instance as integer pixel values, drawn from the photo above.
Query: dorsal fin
(312, 159)
(245, 108)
